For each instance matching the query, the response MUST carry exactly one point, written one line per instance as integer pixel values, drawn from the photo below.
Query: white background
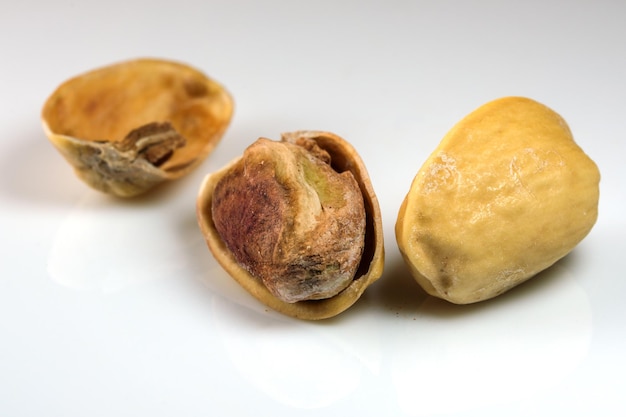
(117, 308)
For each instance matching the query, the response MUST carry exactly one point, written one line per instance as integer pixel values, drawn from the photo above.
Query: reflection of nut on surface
(505, 195)
(129, 126)
(296, 223)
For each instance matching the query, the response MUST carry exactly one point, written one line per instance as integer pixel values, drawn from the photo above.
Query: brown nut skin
(131, 125)
(291, 220)
(343, 157)
(505, 195)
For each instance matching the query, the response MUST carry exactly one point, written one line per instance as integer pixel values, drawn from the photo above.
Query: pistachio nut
(296, 223)
(131, 125)
(505, 195)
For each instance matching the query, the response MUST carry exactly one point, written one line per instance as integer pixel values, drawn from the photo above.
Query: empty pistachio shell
(296, 223)
(129, 126)
(505, 195)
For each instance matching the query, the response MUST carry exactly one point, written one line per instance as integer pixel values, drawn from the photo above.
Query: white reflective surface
(117, 308)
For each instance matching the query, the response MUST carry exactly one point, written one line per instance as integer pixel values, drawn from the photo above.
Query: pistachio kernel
(291, 220)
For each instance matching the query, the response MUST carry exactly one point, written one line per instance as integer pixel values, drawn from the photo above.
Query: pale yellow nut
(506, 194)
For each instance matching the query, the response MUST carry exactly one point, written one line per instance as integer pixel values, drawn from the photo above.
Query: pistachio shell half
(132, 125)
(298, 254)
(506, 194)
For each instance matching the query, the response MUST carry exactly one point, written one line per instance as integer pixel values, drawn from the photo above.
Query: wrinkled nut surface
(291, 220)
(130, 126)
(505, 195)
(296, 223)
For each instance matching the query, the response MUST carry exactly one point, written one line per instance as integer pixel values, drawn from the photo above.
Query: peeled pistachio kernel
(296, 223)
(505, 195)
(130, 126)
